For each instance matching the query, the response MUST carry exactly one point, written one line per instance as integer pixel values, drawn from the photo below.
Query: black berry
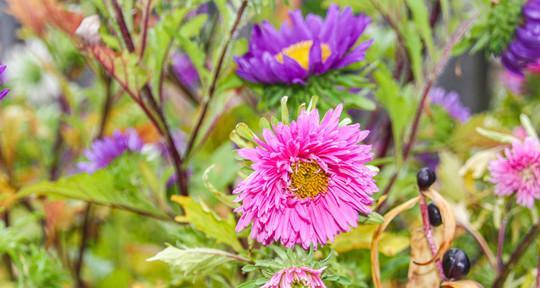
(425, 178)
(435, 218)
(456, 264)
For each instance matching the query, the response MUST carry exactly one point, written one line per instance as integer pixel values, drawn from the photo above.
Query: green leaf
(398, 106)
(361, 236)
(222, 197)
(372, 218)
(206, 221)
(421, 20)
(497, 136)
(359, 102)
(195, 261)
(414, 49)
(526, 123)
(193, 26)
(101, 187)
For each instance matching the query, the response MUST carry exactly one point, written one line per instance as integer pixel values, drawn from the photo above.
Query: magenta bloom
(518, 171)
(296, 277)
(303, 47)
(105, 150)
(451, 103)
(3, 92)
(309, 181)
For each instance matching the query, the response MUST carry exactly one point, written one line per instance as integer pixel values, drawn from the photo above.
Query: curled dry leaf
(461, 284)
(449, 225)
(426, 275)
(388, 217)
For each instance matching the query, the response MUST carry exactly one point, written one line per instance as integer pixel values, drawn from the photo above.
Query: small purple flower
(451, 103)
(525, 47)
(3, 92)
(105, 150)
(304, 47)
(185, 71)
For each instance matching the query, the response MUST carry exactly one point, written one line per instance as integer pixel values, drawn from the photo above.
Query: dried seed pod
(388, 217)
(425, 178)
(456, 263)
(448, 222)
(435, 218)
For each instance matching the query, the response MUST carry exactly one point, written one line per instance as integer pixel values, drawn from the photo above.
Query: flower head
(451, 103)
(3, 92)
(185, 71)
(105, 150)
(518, 171)
(525, 47)
(309, 181)
(303, 47)
(296, 277)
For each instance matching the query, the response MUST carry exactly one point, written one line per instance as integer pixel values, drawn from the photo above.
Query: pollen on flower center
(299, 52)
(308, 180)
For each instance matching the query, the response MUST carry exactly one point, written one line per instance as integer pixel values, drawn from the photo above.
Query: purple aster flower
(104, 151)
(525, 47)
(185, 71)
(3, 92)
(304, 47)
(450, 103)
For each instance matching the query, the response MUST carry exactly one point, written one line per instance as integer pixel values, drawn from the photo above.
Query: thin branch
(160, 123)
(123, 26)
(107, 105)
(87, 217)
(59, 140)
(144, 37)
(428, 233)
(482, 243)
(517, 254)
(7, 258)
(501, 237)
(215, 77)
(432, 77)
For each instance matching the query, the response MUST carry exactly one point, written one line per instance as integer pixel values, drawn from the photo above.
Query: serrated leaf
(100, 187)
(206, 221)
(194, 261)
(124, 68)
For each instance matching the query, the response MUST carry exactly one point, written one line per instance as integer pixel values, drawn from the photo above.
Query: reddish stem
(429, 234)
(215, 77)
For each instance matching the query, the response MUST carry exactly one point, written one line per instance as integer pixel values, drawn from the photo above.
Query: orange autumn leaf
(37, 14)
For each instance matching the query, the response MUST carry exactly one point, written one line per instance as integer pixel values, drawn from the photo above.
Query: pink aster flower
(309, 181)
(518, 171)
(296, 277)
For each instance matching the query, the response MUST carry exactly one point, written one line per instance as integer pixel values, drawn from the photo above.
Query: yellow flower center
(308, 180)
(299, 52)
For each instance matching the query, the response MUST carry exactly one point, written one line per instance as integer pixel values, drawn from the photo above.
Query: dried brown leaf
(449, 224)
(425, 275)
(388, 217)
